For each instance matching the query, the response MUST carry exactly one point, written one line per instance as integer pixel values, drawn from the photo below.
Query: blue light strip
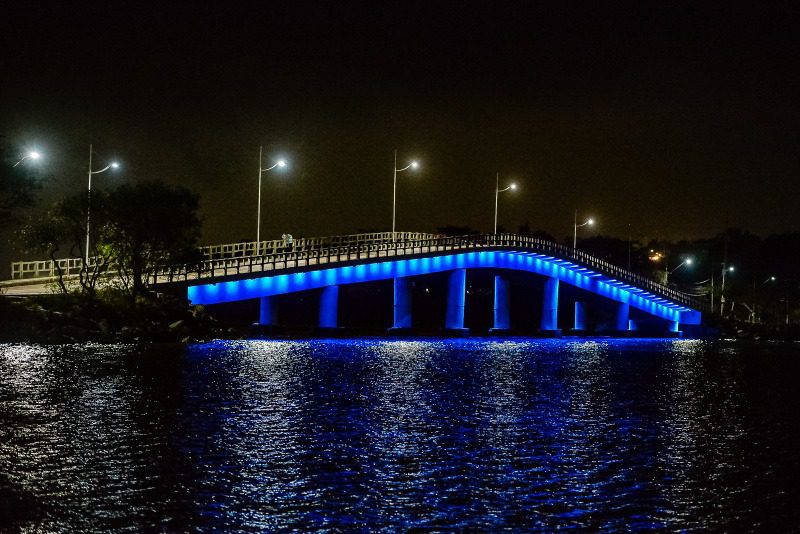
(569, 273)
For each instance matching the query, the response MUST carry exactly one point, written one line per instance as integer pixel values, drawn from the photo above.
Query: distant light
(34, 155)
(513, 186)
(414, 164)
(114, 165)
(590, 222)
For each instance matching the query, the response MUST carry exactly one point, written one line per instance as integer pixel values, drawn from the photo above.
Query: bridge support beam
(402, 306)
(268, 311)
(456, 298)
(502, 309)
(329, 307)
(549, 323)
(622, 322)
(580, 317)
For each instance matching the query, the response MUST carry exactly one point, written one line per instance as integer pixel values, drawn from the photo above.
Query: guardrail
(31, 270)
(220, 268)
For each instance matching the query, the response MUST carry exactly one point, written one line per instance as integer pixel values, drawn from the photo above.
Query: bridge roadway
(268, 275)
(238, 272)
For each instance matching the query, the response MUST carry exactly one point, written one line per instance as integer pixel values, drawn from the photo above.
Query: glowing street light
(281, 163)
(587, 222)
(111, 165)
(30, 155)
(667, 272)
(412, 165)
(497, 191)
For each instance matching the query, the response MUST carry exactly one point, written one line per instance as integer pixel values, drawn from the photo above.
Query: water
(391, 435)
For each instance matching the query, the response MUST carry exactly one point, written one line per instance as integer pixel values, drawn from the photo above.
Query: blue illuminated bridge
(266, 272)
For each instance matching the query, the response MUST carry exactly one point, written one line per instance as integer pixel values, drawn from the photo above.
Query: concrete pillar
(549, 322)
(622, 323)
(580, 316)
(456, 297)
(268, 311)
(329, 307)
(502, 311)
(402, 303)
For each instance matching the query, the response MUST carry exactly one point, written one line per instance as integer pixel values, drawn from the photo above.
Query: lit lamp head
(114, 165)
(513, 187)
(590, 222)
(688, 261)
(281, 163)
(731, 268)
(771, 278)
(34, 155)
(414, 164)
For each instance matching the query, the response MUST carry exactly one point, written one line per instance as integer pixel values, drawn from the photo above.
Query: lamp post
(667, 272)
(512, 186)
(112, 165)
(588, 221)
(30, 155)
(755, 289)
(729, 268)
(412, 165)
(261, 170)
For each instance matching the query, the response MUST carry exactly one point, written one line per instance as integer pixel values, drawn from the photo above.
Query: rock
(177, 324)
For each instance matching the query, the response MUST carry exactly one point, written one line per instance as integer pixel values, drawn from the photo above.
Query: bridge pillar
(549, 324)
(622, 323)
(674, 327)
(402, 306)
(329, 307)
(580, 316)
(456, 298)
(502, 315)
(268, 311)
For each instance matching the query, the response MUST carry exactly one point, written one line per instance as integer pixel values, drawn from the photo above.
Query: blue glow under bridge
(329, 266)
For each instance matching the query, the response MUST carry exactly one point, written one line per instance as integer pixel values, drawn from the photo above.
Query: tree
(151, 224)
(61, 232)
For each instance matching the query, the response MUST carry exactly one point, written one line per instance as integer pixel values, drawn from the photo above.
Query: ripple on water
(377, 434)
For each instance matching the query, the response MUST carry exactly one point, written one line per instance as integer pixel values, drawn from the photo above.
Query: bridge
(267, 270)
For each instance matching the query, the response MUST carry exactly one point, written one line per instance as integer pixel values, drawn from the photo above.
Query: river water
(370, 434)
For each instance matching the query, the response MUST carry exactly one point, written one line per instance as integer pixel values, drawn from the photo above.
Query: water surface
(373, 434)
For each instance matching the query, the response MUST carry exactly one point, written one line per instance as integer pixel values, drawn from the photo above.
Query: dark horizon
(670, 119)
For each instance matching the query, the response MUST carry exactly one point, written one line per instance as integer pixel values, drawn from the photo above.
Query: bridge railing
(376, 250)
(31, 270)
(277, 246)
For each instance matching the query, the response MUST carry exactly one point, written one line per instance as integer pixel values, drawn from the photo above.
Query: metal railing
(355, 251)
(32, 270)
(253, 248)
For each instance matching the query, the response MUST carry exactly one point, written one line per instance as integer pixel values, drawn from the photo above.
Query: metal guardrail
(253, 248)
(31, 270)
(349, 252)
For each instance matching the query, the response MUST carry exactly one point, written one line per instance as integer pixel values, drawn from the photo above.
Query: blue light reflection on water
(374, 434)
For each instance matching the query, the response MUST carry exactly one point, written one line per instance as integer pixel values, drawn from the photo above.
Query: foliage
(61, 232)
(151, 224)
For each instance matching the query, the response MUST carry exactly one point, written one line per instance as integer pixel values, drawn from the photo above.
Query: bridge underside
(400, 270)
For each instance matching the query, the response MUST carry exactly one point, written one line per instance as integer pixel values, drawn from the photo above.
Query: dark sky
(663, 115)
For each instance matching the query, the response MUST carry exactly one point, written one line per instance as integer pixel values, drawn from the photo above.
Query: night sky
(662, 115)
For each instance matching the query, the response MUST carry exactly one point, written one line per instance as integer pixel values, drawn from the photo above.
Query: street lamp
(588, 222)
(111, 165)
(261, 170)
(413, 165)
(497, 192)
(728, 269)
(667, 272)
(30, 155)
